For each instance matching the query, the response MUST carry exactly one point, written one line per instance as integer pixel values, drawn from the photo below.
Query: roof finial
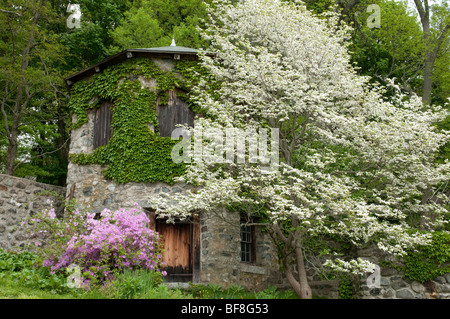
(173, 43)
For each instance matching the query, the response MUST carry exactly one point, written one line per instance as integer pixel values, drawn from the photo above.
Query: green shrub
(134, 283)
(15, 261)
(163, 292)
(23, 269)
(216, 291)
(269, 293)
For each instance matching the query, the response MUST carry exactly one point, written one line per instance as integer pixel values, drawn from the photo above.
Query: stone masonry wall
(219, 235)
(92, 192)
(393, 285)
(221, 257)
(19, 199)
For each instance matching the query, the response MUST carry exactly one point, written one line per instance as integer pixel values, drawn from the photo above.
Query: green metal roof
(169, 52)
(170, 49)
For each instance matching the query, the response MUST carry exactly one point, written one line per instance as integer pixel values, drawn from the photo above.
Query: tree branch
(10, 12)
(41, 155)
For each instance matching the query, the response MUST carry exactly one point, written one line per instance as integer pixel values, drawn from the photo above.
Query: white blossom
(283, 67)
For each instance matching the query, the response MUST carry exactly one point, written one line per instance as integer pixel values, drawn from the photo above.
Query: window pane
(245, 252)
(246, 243)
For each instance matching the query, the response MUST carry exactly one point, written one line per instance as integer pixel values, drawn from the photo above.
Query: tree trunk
(13, 135)
(293, 244)
(424, 14)
(305, 289)
(300, 285)
(428, 79)
(20, 104)
(431, 52)
(12, 152)
(61, 143)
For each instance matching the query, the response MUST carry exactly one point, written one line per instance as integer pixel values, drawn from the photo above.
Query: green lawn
(12, 290)
(21, 278)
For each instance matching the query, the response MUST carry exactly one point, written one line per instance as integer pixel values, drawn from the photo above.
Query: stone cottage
(124, 109)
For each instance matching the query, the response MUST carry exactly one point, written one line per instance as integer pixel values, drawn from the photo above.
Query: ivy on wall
(134, 153)
(425, 262)
(430, 261)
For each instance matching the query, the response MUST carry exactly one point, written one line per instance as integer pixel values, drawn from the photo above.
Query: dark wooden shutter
(176, 112)
(102, 124)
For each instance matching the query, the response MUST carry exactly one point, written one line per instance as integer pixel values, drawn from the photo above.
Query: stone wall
(221, 254)
(393, 285)
(19, 199)
(219, 234)
(92, 192)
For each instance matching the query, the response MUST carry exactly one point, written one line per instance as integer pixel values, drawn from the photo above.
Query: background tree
(153, 23)
(38, 51)
(28, 55)
(435, 21)
(89, 43)
(393, 51)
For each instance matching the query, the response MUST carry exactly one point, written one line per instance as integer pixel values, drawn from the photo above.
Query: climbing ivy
(134, 153)
(345, 290)
(428, 261)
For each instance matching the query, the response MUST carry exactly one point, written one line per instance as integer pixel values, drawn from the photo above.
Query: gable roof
(169, 52)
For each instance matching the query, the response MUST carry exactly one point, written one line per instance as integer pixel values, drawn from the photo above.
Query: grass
(215, 291)
(9, 289)
(20, 278)
(12, 289)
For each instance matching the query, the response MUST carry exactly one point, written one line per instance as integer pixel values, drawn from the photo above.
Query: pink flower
(119, 240)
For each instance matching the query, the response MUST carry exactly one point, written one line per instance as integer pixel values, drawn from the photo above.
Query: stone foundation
(219, 232)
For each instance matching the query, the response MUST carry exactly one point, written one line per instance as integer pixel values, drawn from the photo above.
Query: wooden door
(102, 124)
(181, 245)
(176, 239)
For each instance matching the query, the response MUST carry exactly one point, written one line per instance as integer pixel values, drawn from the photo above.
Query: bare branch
(10, 12)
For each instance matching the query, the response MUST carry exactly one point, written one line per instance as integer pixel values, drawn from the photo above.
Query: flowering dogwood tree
(353, 164)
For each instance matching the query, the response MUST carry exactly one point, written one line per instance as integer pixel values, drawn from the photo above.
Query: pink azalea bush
(102, 247)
